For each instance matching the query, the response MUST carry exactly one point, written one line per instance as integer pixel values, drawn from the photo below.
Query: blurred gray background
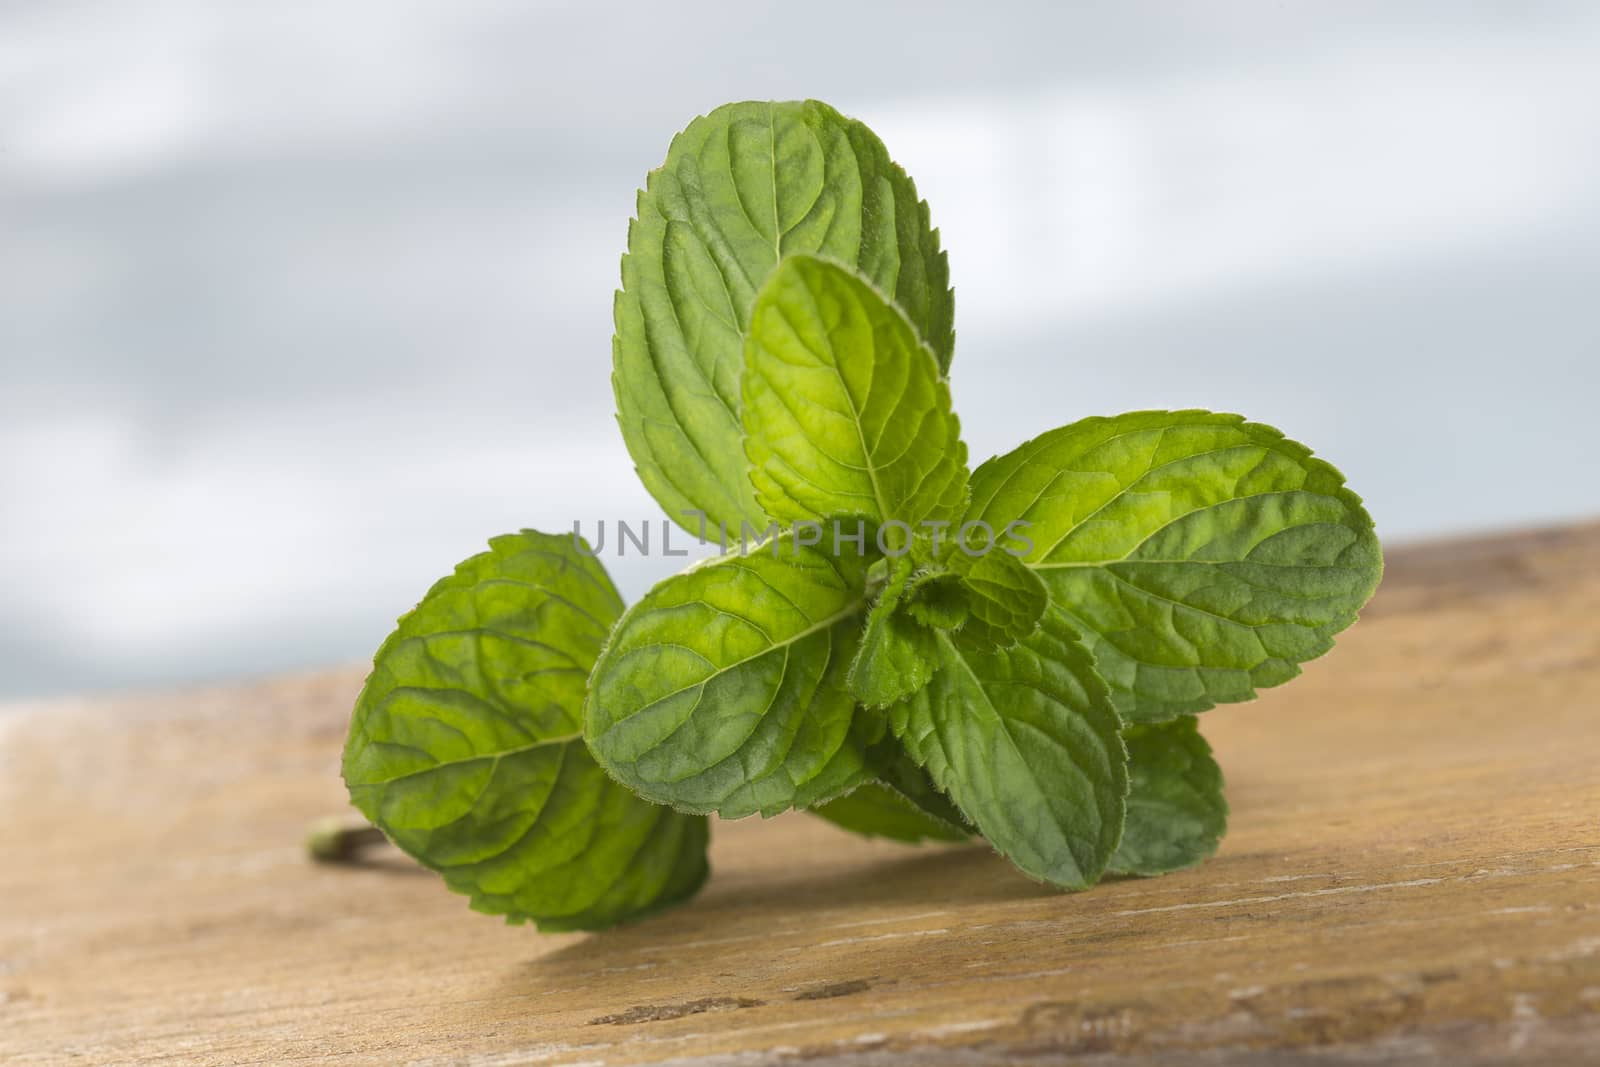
(301, 302)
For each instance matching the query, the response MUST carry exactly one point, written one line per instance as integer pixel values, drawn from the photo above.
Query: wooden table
(1413, 869)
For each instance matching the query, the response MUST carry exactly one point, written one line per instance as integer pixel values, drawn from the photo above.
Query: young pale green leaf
(466, 747)
(875, 810)
(740, 189)
(897, 653)
(845, 409)
(1026, 741)
(1203, 556)
(1005, 599)
(1176, 811)
(938, 599)
(724, 688)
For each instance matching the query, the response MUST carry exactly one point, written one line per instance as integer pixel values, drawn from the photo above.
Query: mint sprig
(1015, 652)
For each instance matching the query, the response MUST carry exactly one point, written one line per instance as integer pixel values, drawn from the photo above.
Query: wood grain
(1413, 870)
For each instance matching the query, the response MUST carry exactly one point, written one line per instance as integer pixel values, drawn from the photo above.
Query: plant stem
(335, 839)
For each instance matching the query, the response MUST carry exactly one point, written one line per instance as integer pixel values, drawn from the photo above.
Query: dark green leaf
(876, 810)
(1025, 740)
(893, 766)
(1176, 811)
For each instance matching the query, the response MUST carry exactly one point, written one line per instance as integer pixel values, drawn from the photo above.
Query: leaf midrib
(855, 417)
(1129, 557)
(1016, 745)
(853, 608)
(494, 756)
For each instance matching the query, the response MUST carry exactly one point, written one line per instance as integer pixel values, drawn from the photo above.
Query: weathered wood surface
(1413, 870)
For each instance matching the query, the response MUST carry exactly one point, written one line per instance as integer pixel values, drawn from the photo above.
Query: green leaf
(896, 654)
(875, 810)
(879, 807)
(938, 599)
(894, 767)
(845, 410)
(466, 747)
(1202, 556)
(741, 188)
(1005, 599)
(1176, 811)
(724, 688)
(1025, 740)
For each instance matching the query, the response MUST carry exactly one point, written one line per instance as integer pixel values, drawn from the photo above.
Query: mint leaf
(1027, 743)
(742, 187)
(1004, 598)
(875, 810)
(724, 688)
(894, 767)
(845, 409)
(1202, 556)
(896, 654)
(938, 599)
(466, 747)
(879, 807)
(1176, 811)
